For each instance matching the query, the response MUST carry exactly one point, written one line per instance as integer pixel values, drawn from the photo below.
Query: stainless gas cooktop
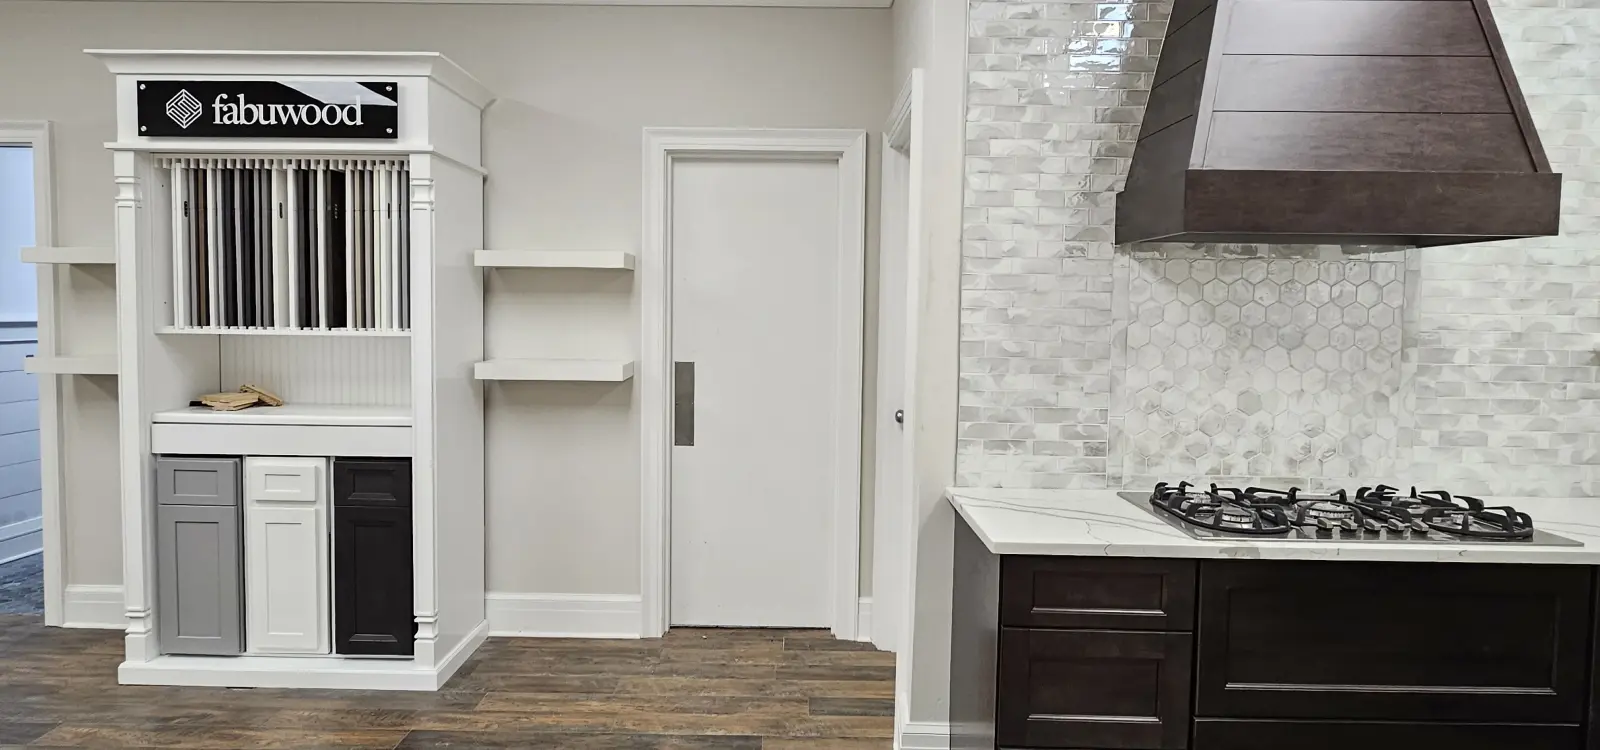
(1379, 514)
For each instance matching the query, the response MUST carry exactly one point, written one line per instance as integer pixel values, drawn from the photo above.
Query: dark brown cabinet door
(1220, 734)
(1434, 642)
(1094, 689)
(372, 567)
(1111, 593)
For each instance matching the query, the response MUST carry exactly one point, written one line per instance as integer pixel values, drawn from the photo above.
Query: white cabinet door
(286, 555)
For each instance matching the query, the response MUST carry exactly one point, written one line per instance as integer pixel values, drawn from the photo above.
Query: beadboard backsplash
(1089, 365)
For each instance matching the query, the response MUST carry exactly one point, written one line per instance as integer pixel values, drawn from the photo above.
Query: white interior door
(756, 264)
(892, 469)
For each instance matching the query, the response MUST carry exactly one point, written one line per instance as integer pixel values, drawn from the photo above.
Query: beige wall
(563, 145)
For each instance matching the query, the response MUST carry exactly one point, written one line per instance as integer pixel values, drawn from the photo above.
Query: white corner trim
(21, 539)
(93, 607)
(661, 147)
(923, 735)
(864, 619)
(563, 615)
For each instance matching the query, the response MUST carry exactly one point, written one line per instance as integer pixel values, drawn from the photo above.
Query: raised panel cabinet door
(287, 604)
(372, 582)
(198, 586)
(372, 483)
(1105, 689)
(1393, 641)
(1112, 593)
(197, 481)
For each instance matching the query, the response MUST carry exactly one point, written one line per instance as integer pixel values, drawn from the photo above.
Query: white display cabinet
(376, 363)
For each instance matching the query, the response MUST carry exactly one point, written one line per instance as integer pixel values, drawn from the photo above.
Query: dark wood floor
(692, 690)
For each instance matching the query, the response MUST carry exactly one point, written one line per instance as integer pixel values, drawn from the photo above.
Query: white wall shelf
(570, 370)
(84, 255)
(98, 364)
(301, 414)
(173, 331)
(599, 259)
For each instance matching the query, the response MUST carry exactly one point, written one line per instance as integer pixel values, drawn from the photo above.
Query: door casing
(662, 148)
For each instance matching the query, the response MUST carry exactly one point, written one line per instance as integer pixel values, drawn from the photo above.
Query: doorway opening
(21, 485)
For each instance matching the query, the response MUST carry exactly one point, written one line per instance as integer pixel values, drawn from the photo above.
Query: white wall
(931, 34)
(577, 85)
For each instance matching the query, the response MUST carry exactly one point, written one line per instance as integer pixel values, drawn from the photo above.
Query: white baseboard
(864, 619)
(923, 735)
(94, 607)
(20, 539)
(564, 615)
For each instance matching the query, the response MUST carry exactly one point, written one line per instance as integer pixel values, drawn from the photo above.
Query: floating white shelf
(171, 330)
(98, 364)
(580, 370)
(603, 259)
(86, 255)
(326, 415)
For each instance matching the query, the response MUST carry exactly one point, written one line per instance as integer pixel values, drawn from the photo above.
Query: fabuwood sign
(269, 109)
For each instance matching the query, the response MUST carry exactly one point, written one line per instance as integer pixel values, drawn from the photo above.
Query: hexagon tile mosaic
(1255, 368)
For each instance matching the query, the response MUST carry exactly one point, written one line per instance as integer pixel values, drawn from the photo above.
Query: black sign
(269, 109)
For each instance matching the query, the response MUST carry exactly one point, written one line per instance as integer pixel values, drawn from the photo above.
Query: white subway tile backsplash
(1470, 366)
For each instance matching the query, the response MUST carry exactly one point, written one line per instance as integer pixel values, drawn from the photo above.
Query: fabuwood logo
(184, 109)
(245, 113)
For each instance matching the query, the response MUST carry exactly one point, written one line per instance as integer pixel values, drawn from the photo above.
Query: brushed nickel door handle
(683, 403)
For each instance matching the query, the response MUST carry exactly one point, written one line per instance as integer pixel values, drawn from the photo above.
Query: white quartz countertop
(1098, 523)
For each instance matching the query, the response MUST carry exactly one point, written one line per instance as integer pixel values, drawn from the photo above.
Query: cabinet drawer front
(1119, 593)
(1221, 734)
(1093, 688)
(284, 480)
(368, 483)
(197, 481)
(1391, 641)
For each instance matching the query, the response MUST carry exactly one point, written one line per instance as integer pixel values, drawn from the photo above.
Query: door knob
(900, 416)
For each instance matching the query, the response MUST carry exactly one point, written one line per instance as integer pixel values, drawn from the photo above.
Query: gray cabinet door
(197, 481)
(198, 556)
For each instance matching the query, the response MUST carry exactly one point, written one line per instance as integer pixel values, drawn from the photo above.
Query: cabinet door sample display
(286, 555)
(289, 243)
(372, 570)
(198, 556)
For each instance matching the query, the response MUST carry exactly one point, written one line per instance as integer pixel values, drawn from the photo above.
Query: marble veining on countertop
(1098, 523)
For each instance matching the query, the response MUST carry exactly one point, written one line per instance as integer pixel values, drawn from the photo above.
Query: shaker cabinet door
(288, 608)
(372, 581)
(198, 589)
(1104, 689)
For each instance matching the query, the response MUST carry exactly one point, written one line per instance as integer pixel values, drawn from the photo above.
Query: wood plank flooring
(692, 690)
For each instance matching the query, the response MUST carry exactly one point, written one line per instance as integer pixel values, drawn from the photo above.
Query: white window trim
(36, 134)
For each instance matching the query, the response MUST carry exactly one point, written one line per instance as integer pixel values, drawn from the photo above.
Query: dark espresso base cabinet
(372, 570)
(1155, 654)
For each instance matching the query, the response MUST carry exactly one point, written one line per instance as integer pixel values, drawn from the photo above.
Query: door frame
(891, 561)
(662, 148)
(36, 134)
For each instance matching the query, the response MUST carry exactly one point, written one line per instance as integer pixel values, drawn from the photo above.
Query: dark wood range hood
(1395, 122)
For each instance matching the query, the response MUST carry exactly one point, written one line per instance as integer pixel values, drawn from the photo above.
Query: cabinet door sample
(197, 481)
(372, 483)
(287, 607)
(1094, 689)
(197, 558)
(372, 581)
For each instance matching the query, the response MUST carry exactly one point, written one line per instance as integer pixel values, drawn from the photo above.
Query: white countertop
(1098, 523)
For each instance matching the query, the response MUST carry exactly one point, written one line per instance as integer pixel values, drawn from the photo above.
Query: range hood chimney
(1392, 122)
